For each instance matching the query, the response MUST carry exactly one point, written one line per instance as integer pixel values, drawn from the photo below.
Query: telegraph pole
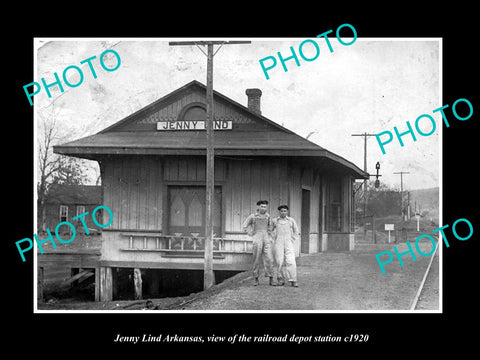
(208, 277)
(401, 191)
(365, 184)
(365, 135)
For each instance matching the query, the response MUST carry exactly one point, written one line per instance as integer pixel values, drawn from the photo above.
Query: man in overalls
(285, 233)
(258, 226)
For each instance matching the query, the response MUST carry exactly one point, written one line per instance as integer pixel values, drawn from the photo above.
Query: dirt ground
(332, 281)
(345, 281)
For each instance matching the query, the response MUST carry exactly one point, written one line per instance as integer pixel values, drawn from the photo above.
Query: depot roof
(248, 133)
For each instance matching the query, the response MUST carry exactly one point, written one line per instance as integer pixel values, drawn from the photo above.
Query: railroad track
(419, 292)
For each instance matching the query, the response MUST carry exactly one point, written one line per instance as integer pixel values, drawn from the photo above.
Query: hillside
(427, 201)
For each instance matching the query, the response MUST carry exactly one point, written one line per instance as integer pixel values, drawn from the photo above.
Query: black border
(404, 333)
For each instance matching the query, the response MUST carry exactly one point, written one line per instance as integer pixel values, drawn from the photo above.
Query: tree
(381, 201)
(53, 169)
(384, 200)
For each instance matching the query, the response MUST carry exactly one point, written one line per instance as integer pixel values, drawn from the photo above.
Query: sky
(369, 86)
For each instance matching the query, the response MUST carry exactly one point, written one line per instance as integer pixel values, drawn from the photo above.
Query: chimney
(254, 100)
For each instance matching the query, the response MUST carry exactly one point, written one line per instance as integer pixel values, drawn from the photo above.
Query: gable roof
(193, 85)
(74, 194)
(252, 134)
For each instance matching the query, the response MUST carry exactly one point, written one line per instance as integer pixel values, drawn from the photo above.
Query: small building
(152, 166)
(64, 202)
(79, 257)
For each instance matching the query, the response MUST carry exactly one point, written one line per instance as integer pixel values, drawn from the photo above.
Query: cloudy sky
(369, 86)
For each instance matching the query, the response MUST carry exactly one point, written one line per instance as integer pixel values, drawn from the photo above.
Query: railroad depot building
(153, 164)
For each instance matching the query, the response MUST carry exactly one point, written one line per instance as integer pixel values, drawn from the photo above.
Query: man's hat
(260, 202)
(282, 207)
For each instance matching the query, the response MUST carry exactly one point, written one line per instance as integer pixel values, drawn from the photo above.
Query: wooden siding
(133, 191)
(248, 182)
(187, 169)
(133, 187)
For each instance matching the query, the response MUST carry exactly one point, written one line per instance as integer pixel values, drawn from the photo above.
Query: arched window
(193, 111)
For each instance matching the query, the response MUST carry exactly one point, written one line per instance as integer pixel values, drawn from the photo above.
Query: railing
(183, 243)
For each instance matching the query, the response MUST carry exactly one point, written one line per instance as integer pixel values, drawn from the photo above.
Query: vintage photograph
(173, 175)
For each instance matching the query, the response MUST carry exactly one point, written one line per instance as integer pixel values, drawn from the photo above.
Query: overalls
(262, 243)
(285, 232)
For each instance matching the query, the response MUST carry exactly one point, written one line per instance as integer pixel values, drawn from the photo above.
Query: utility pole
(208, 276)
(408, 204)
(365, 135)
(365, 183)
(401, 191)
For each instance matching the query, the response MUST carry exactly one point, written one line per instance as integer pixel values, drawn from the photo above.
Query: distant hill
(427, 201)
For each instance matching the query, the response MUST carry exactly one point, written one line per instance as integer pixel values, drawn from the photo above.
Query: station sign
(193, 125)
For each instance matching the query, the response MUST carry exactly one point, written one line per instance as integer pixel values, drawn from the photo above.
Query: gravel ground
(327, 281)
(331, 281)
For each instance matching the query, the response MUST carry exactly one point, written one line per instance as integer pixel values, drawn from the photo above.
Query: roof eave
(92, 152)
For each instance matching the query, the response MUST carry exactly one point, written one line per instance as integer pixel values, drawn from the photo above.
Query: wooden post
(114, 283)
(106, 293)
(208, 263)
(137, 282)
(102, 284)
(108, 284)
(97, 284)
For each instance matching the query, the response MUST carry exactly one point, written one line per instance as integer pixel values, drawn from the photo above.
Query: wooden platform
(74, 258)
(69, 259)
